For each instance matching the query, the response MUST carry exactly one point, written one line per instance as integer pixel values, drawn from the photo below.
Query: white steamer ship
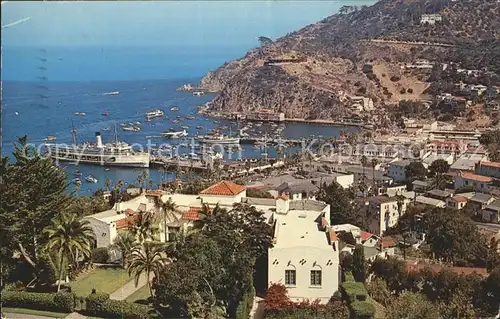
(110, 154)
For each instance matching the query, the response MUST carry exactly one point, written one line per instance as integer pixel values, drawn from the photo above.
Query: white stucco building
(384, 212)
(305, 256)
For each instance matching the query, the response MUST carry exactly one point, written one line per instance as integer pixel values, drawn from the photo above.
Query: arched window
(290, 275)
(316, 275)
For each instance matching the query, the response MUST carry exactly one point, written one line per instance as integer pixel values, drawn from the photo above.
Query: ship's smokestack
(98, 139)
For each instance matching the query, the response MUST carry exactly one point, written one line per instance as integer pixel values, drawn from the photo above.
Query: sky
(156, 23)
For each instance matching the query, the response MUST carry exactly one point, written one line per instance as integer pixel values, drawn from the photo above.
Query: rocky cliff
(358, 51)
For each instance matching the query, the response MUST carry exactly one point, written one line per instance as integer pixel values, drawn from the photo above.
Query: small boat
(106, 129)
(174, 108)
(111, 93)
(154, 113)
(199, 127)
(50, 138)
(185, 127)
(175, 121)
(123, 124)
(76, 181)
(107, 169)
(105, 114)
(80, 113)
(197, 93)
(174, 134)
(137, 123)
(132, 129)
(91, 179)
(190, 118)
(77, 173)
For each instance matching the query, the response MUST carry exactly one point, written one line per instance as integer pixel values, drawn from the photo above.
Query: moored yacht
(179, 134)
(154, 113)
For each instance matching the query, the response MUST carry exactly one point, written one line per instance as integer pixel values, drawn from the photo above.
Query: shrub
(402, 91)
(95, 301)
(362, 309)
(99, 304)
(410, 90)
(395, 78)
(349, 276)
(354, 291)
(62, 301)
(245, 305)
(100, 255)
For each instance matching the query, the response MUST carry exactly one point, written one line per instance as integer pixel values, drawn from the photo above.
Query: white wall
(105, 233)
(345, 181)
(279, 262)
(379, 225)
(223, 200)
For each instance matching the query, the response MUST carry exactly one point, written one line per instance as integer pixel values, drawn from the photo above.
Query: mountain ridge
(337, 50)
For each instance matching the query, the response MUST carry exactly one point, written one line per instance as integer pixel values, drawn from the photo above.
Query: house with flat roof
(485, 168)
(430, 201)
(491, 213)
(457, 202)
(397, 170)
(305, 255)
(467, 162)
(384, 212)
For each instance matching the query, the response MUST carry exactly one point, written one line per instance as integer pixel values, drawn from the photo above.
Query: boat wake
(111, 93)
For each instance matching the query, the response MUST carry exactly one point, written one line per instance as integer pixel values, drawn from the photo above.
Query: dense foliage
(220, 255)
(99, 304)
(61, 301)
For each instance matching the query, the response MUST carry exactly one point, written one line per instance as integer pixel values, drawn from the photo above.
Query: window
(290, 277)
(315, 277)
(173, 233)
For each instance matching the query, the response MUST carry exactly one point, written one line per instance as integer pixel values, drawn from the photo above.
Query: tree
(169, 208)
(412, 306)
(454, 238)
(68, 235)
(415, 170)
(124, 242)
(377, 289)
(491, 140)
(146, 259)
(359, 263)
(439, 166)
(145, 226)
(364, 162)
(33, 191)
(489, 295)
(392, 271)
(493, 258)
(342, 205)
(374, 163)
(346, 260)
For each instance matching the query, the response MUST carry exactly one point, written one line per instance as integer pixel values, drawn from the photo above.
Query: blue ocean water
(42, 97)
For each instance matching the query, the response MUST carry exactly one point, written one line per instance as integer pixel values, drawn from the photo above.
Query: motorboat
(76, 181)
(178, 134)
(80, 113)
(50, 138)
(154, 113)
(77, 173)
(91, 179)
(132, 129)
(174, 109)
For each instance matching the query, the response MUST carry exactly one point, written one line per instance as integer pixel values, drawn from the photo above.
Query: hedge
(61, 301)
(354, 291)
(246, 304)
(99, 304)
(362, 310)
(349, 276)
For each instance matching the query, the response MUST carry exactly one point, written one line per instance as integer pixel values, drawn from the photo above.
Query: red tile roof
(365, 235)
(475, 177)
(490, 164)
(224, 188)
(388, 242)
(459, 198)
(126, 222)
(283, 196)
(412, 267)
(152, 192)
(192, 214)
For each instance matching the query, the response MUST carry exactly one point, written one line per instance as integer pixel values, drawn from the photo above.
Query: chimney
(98, 139)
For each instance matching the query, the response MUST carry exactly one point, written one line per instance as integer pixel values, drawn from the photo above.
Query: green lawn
(103, 280)
(24, 311)
(142, 293)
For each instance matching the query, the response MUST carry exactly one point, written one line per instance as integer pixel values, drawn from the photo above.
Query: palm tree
(107, 183)
(147, 258)
(144, 226)
(169, 207)
(124, 242)
(374, 163)
(68, 235)
(364, 162)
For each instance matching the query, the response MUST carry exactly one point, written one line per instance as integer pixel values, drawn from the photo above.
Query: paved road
(129, 288)
(23, 316)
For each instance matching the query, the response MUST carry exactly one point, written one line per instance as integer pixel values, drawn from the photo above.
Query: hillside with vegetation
(358, 51)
